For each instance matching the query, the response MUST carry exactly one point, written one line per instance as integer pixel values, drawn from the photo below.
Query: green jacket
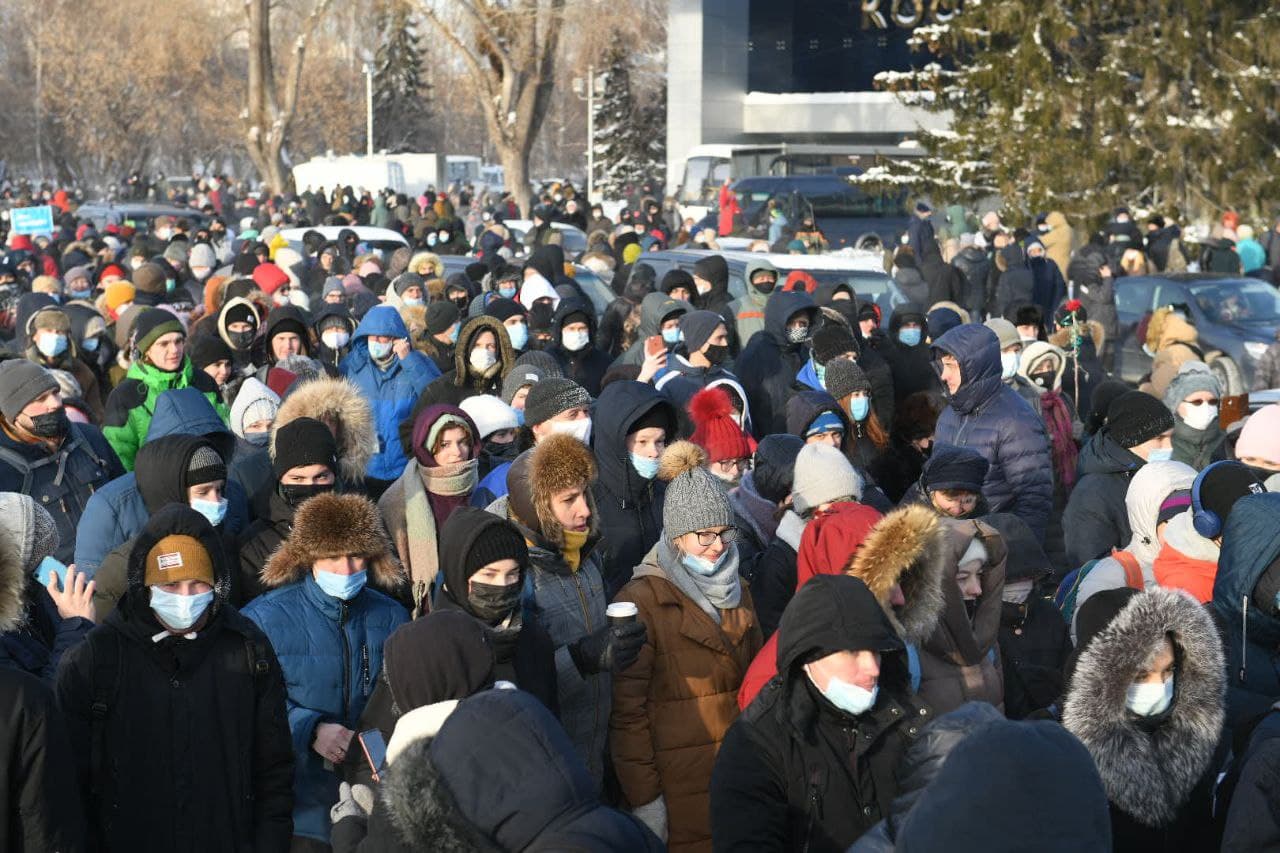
(133, 402)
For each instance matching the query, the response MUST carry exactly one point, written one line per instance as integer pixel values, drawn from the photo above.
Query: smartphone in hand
(375, 751)
(654, 344)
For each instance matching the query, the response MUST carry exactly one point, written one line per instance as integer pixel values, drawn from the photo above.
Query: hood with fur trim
(333, 525)
(1061, 338)
(1167, 328)
(462, 351)
(557, 463)
(27, 535)
(339, 405)
(956, 638)
(1149, 771)
(907, 547)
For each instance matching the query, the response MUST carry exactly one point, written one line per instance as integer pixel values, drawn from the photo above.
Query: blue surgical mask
(80, 294)
(412, 301)
(51, 346)
(258, 439)
(859, 408)
(672, 336)
(177, 611)
(647, 468)
(1008, 365)
(703, 566)
(1160, 454)
(850, 698)
(90, 344)
(507, 291)
(520, 416)
(344, 587)
(1148, 700)
(453, 333)
(820, 371)
(378, 350)
(909, 337)
(519, 335)
(215, 511)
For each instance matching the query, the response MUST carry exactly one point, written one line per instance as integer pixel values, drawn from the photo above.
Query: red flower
(1073, 305)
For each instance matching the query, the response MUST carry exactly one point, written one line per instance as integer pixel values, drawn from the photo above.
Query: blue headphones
(1206, 521)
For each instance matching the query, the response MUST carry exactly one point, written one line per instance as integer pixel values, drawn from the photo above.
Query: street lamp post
(368, 106)
(594, 87)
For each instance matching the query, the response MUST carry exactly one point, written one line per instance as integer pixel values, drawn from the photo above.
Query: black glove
(612, 648)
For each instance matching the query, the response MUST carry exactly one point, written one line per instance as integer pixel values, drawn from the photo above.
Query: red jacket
(729, 208)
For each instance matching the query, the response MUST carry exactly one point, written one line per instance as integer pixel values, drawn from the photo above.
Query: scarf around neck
(572, 550)
(712, 593)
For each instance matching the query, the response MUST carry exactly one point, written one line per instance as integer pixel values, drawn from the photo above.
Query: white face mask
(335, 338)
(579, 429)
(574, 341)
(482, 359)
(850, 698)
(1008, 365)
(1148, 700)
(1199, 417)
(1016, 592)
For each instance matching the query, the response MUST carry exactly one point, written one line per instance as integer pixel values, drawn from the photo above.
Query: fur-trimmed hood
(333, 525)
(1167, 328)
(907, 547)
(339, 405)
(462, 352)
(1148, 771)
(1097, 332)
(956, 638)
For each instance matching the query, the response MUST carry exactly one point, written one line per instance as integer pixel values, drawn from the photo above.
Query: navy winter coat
(769, 363)
(1096, 519)
(988, 416)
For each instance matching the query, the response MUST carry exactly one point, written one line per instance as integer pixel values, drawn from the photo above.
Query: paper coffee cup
(621, 612)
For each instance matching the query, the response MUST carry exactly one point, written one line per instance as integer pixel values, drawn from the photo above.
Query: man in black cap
(711, 278)
(58, 463)
(787, 777)
(443, 323)
(698, 361)
(514, 317)
(1138, 430)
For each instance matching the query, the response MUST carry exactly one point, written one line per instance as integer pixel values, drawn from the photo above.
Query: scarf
(755, 510)
(790, 529)
(712, 593)
(420, 526)
(572, 550)
(449, 486)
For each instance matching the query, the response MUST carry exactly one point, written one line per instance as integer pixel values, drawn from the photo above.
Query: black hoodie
(912, 366)
(588, 365)
(767, 367)
(715, 269)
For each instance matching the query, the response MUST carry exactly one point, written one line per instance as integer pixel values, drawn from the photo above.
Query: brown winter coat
(1174, 342)
(1057, 242)
(674, 705)
(957, 663)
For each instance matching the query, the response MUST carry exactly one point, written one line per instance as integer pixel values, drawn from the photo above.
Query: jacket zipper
(586, 618)
(346, 663)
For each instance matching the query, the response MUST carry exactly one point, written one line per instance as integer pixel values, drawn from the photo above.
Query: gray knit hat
(1192, 376)
(698, 327)
(1006, 332)
(823, 475)
(333, 284)
(21, 381)
(28, 527)
(544, 361)
(520, 376)
(696, 499)
(550, 397)
(843, 377)
(202, 255)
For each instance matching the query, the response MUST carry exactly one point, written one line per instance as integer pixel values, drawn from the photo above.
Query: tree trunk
(515, 169)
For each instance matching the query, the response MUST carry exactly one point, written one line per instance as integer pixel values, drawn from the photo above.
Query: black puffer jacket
(1096, 515)
(795, 772)
(912, 366)
(588, 365)
(260, 541)
(1016, 285)
(630, 506)
(975, 266)
(224, 786)
(769, 363)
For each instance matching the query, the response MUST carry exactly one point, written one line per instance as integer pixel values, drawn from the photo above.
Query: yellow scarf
(572, 550)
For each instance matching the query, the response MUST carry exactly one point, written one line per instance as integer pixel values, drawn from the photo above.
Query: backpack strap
(256, 654)
(18, 462)
(1133, 577)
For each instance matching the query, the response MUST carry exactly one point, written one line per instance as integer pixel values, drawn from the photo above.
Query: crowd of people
(312, 547)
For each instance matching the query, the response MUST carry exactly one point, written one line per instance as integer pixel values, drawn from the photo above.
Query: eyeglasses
(726, 536)
(743, 464)
(1210, 402)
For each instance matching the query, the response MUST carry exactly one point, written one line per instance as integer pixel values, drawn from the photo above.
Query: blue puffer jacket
(331, 654)
(988, 416)
(1250, 545)
(116, 512)
(391, 392)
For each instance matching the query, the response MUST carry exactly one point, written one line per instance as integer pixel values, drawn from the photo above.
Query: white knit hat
(823, 475)
(489, 413)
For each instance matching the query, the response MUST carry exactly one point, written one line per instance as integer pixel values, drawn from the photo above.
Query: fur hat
(339, 405)
(906, 548)
(557, 463)
(28, 535)
(333, 525)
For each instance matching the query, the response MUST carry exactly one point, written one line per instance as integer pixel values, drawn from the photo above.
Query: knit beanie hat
(245, 263)
(541, 316)
(501, 540)
(698, 327)
(201, 255)
(714, 429)
(503, 310)
(176, 252)
(332, 284)
(118, 293)
(254, 402)
(406, 280)
(825, 421)
(520, 376)
(550, 397)
(27, 528)
(150, 278)
(240, 313)
(823, 475)
(21, 381)
(207, 349)
(544, 361)
(1005, 331)
(1224, 483)
(775, 466)
(1259, 437)
(1192, 376)
(1135, 417)
(300, 442)
(696, 499)
(1178, 502)
(831, 341)
(441, 315)
(177, 558)
(489, 414)
(269, 277)
(942, 320)
(844, 377)
(951, 467)
(204, 466)
(153, 324)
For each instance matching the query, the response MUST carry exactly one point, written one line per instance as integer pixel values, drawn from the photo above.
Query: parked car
(1236, 318)
(574, 240)
(587, 279)
(142, 215)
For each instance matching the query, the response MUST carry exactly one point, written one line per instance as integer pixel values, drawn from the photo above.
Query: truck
(411, 174)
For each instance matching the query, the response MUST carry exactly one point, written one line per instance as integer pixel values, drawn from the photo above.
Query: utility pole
(368, 106)
(594, 89)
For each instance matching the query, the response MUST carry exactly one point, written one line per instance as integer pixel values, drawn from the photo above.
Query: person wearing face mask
(252, 414)
(785, 778)
(78, 282)
(339, 405)
(481, 360)
(274, 282)
(711, 281)
(907, 351)
(51, 344)
(515, 318)
(634, 425)
(698, 617)
(305, 465)
(727, 448)
(202, 261)
(391, 376)
(573, 331)
(817, 418)
(1193, 397)
(1138, 430)
(760, 278)
(324, 615)
(768, 364)
(440, 477)
(237, 325)
(852, 389)
(42, 454)
(1146, 699)
(496, 426)
(443, 324)
(659, 315)
(333, 326)
(1011, 349)
(176, 627)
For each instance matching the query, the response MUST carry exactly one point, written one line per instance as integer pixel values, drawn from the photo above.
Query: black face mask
(766, 287)
(506, 452)
(971, 608)
(1044, 380)
(50, 424)
(241, 340)
(295, 493)
(493, 603)
(716, 353)
(461, 303)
